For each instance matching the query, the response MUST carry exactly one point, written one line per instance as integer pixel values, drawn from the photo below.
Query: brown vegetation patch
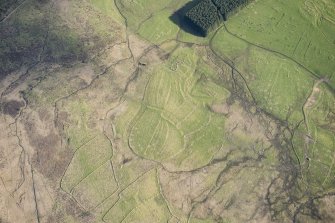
(2, 158)
(327, 209)
(181, 189)
(220, 108)
(66, 206)
(50, 157)
(12, 107)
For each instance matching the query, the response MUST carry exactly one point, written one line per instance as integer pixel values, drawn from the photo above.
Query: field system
(114, 111)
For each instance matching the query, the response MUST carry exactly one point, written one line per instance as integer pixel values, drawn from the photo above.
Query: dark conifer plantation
(204, 16)
(207, 14)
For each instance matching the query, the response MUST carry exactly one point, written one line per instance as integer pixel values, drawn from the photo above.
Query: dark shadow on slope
(32, 35)
(25, 44)
(6, 6)
(179, 19)
(35, 33)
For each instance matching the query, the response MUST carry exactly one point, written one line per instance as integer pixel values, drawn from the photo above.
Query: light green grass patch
(140, 202)
(87, 159)
(190, 38)
(315, 141)
(96, 187)
(302, 30)
(278, 85)
(198, 220)
(78, 132)
(228, 45)
(158, 28)
(136, 11)
(109, 8)
(131, 108)
(174, 124)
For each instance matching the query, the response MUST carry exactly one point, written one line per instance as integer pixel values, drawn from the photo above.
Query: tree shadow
(178, 18)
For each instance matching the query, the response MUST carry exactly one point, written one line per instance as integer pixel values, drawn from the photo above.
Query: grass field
(314, 141)
(141, 202)
(173, 124)
(158, 28)
(109, 8)
(87, 158)
(287, 91)
(268, 44)
(301, 30)
(278, 85)
(118, 114)
(138, 11)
